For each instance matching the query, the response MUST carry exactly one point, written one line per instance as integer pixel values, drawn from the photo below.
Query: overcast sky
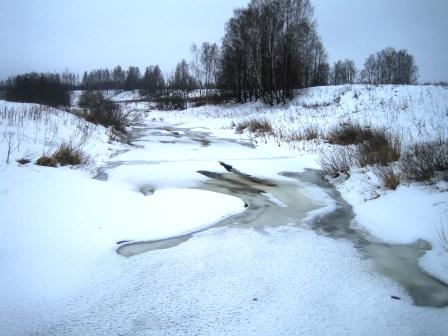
(51, 35)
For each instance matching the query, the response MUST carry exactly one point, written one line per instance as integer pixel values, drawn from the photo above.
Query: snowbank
(57, 224)
(30, 130)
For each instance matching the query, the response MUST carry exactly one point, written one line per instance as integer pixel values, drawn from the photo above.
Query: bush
(89, 99)
(103, 111)
(338, 161)
(423, 161)
(349, 134)
(68, 155)
(46, 89)
(212, 99)
(174, 101)
(381, 148)
(389, 178)
(371, 147)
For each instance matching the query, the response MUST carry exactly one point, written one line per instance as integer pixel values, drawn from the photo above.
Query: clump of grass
(309, 133)
(47, 161)
(68, 155)
(349, 134)
(65, 155)
(422, 162)
(23, 161)
(381, 148)
(389, 178)
(260, 126)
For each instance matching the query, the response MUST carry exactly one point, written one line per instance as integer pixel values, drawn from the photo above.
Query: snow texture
(60, 273)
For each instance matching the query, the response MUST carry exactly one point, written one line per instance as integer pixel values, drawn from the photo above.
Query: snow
(241, 282)
(57, 224)
(403, 216)
(415, 113)
(63, 224)
(38, 130)
(125, 96)
(61, 273)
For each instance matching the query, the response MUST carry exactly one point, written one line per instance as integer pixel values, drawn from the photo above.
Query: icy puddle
(271, 203)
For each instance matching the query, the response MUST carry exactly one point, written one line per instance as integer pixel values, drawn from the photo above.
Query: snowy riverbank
(60, 227)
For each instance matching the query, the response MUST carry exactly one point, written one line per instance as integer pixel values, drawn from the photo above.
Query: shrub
(103, 111)
(68, 155)
(47, 161)
(175, 101)
(211, 99)
(389, 178)
(89, 99)
(337, 161)
(349, 134)
(311, 133)
(380, 148)
(108, 113)
(422, 161)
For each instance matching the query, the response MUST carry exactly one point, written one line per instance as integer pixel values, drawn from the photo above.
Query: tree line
(269, 49)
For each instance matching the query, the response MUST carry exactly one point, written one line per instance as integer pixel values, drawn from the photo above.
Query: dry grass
(337, 161)
(258, 126)
(349, 134)
(389, 178)
(23, 161)
(47, 161)
(68, 155)
(380, 148)
(65, 155)
(424, 161)
(368, 147)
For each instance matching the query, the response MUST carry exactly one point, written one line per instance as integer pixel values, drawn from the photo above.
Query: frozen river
(291, 264)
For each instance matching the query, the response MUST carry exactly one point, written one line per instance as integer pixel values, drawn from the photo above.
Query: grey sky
(51, 35)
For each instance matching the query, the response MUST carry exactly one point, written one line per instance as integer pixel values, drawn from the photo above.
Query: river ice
(60, 273)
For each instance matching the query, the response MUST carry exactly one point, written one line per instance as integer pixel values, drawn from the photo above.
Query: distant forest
(269, 49)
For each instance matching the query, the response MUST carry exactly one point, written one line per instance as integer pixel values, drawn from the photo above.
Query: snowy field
(61, 273)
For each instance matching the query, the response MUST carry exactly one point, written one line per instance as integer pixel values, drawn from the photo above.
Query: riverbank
(65, 277)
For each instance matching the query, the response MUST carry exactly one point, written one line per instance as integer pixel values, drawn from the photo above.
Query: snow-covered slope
(31, 130)
(413, 112)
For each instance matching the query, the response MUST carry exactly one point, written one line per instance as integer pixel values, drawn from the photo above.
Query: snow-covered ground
(60, 273)
(414, 113)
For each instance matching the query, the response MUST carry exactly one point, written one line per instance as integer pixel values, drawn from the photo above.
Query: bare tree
(389, 66)
(271, 48)
(344, 72)
(209, 61)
